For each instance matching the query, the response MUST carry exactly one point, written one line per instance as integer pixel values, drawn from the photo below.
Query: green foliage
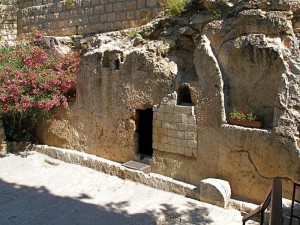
(240, 115)
(4, 2)
(216, 14)
(166, 42)
(175, 7)
(146, 19)
(70, 4)
(133, 33)
(18, 128)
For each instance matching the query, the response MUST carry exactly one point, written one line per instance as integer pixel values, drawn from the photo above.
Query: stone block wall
(8, 20)
(71, 17)
(174, 129)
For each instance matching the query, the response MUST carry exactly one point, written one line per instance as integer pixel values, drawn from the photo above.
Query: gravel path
(39, 190)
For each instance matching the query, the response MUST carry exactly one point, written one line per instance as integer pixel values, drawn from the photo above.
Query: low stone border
(153, 180)
(116, 169)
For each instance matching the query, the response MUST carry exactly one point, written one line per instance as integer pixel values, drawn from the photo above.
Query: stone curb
(116, 169)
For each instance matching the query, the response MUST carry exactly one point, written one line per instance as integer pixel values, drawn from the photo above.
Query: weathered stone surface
(174, 120)
(215, 191)
(61, 44)
(217, 4)
(264, 74)
(138, 166)
(116, 169)
(199, 20)
(257, 21)
(248, 60)
(82, 17)
(8, 20)
(3, 148)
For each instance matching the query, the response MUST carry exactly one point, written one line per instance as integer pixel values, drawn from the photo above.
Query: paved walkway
(39, 190)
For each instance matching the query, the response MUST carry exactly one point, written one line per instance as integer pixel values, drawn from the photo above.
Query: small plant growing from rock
(166, 42)
(216, 14)
(70, 4)
(146, 19)
(133, 33)
(175, 7)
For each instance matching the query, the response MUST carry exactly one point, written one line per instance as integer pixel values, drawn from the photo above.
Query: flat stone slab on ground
(34, 191)
(138, 166)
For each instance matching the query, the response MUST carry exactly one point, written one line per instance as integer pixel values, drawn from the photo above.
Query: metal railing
(274, 197)
(294, 201)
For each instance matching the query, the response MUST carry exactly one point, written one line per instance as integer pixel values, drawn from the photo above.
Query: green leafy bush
(175, 7)
(33, 81)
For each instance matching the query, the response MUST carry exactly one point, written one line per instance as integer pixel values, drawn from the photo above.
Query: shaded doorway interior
(144, 131)
(184, 96)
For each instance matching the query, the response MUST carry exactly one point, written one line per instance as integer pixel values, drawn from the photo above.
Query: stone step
(138, 166)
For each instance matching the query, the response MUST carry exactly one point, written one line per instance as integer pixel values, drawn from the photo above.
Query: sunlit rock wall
(229, 54)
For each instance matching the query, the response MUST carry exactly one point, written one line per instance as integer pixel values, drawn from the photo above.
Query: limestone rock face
(114, 80)
(240, 55)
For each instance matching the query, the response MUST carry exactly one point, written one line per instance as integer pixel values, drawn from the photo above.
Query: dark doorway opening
(184, 96)
(117, 64)
(144, 131)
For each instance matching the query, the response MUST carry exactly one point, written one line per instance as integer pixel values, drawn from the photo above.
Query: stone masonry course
(174, 129)
(83, 17)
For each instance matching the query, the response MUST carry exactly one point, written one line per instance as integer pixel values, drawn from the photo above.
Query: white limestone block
(215, 191)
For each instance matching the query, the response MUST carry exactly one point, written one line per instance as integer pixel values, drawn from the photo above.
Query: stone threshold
(117, 169)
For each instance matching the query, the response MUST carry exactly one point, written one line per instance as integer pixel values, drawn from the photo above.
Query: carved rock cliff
(225, 55)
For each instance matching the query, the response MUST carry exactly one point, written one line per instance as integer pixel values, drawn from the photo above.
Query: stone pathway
(39, 190)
